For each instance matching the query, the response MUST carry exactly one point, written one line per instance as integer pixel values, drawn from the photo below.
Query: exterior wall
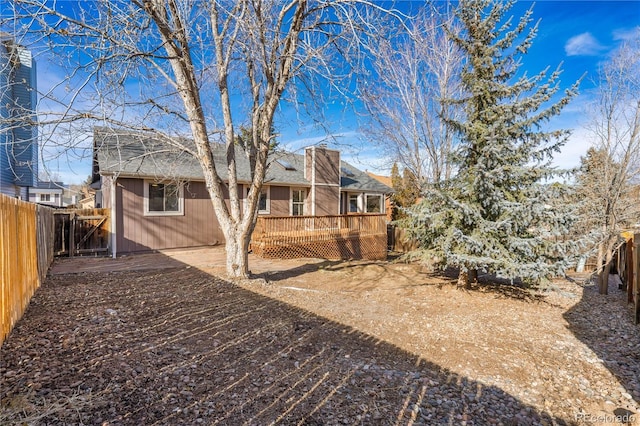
(6, 173)
(56, 196)
(25, 140)
(137, 232)
(327, 200)
(103, 197)
(327, 165)
(280, 201)
(322, 169)
(18, 97)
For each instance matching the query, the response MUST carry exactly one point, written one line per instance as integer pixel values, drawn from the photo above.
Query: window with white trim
(297, 201)
(264, 204)
(45, 197)
(163, 199)
(353, 203)
(373, 203)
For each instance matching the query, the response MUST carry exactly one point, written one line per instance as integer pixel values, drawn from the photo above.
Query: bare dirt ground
(163, 340)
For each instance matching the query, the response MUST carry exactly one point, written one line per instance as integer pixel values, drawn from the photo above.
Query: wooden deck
(326, 237)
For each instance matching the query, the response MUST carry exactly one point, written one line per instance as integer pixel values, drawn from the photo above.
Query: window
(353, 203)
(346, 172)
(163, 199)
(297, 201)
(45, 197)
(374, 203)
(287, 165)
(263, 202)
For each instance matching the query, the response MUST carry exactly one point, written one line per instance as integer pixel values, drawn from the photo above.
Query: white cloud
(583, 44)
(576, 147)
(626, 33)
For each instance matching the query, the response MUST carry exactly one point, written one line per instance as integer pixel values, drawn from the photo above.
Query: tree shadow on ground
(179, 346)
(605, 324)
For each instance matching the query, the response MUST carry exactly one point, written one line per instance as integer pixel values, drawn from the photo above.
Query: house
(18, 132)
(48, 193)
(86, 202)
(155, 189)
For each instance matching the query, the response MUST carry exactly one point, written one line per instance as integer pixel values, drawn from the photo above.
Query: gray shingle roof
(145, 155)
(47, 184)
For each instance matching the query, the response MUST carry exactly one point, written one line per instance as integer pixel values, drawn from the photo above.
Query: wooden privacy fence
(399, 241)
(628, 267)
(81, 231)
(26, 252)
(327, 237)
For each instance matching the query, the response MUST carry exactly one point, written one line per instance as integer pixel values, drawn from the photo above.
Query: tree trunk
(604, 283)
(237, 249)
(463, 279)
(473, 276)
(600, 266)
(604, 279)
(466, 278)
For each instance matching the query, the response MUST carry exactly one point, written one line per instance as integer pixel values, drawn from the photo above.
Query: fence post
(72, 234)
(636, 277)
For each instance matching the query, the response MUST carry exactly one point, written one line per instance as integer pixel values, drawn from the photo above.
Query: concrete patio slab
(204, 258)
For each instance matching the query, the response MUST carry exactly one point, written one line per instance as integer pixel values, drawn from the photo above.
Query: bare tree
(413, 73)
(200, 67)
(612, 166)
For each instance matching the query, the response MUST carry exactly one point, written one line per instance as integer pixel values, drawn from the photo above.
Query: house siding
(327, 200)
(327, 166)
(137, 232)
(280, 203)
(6, 167)
(25, 143)
(18, 97)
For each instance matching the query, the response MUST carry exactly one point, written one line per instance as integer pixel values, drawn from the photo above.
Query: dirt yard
(162, 340)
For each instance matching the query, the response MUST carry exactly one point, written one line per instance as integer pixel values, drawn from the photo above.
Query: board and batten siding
(137, 232)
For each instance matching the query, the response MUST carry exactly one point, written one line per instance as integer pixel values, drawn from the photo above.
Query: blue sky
(577, 34)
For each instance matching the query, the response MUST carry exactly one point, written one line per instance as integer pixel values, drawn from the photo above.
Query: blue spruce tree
(499, 214)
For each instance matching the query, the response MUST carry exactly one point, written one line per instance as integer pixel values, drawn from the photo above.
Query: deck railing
(339, 236)
(301, 228)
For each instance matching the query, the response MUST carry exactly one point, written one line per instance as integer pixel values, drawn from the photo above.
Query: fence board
(26, 251)
(79, 231)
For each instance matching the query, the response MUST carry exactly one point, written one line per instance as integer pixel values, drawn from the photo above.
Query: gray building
(18, 129)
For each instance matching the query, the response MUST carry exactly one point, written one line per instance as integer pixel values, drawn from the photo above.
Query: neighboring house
(157, 195)
(18, 129)
(86, 202)
(48, 193)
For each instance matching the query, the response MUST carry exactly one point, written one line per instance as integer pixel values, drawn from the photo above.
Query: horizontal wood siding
(137, 232)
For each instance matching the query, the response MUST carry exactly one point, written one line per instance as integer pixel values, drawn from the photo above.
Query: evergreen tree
(407, 190)
(496, 214)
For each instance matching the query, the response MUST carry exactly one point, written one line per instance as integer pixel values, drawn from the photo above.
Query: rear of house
(156, 192)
